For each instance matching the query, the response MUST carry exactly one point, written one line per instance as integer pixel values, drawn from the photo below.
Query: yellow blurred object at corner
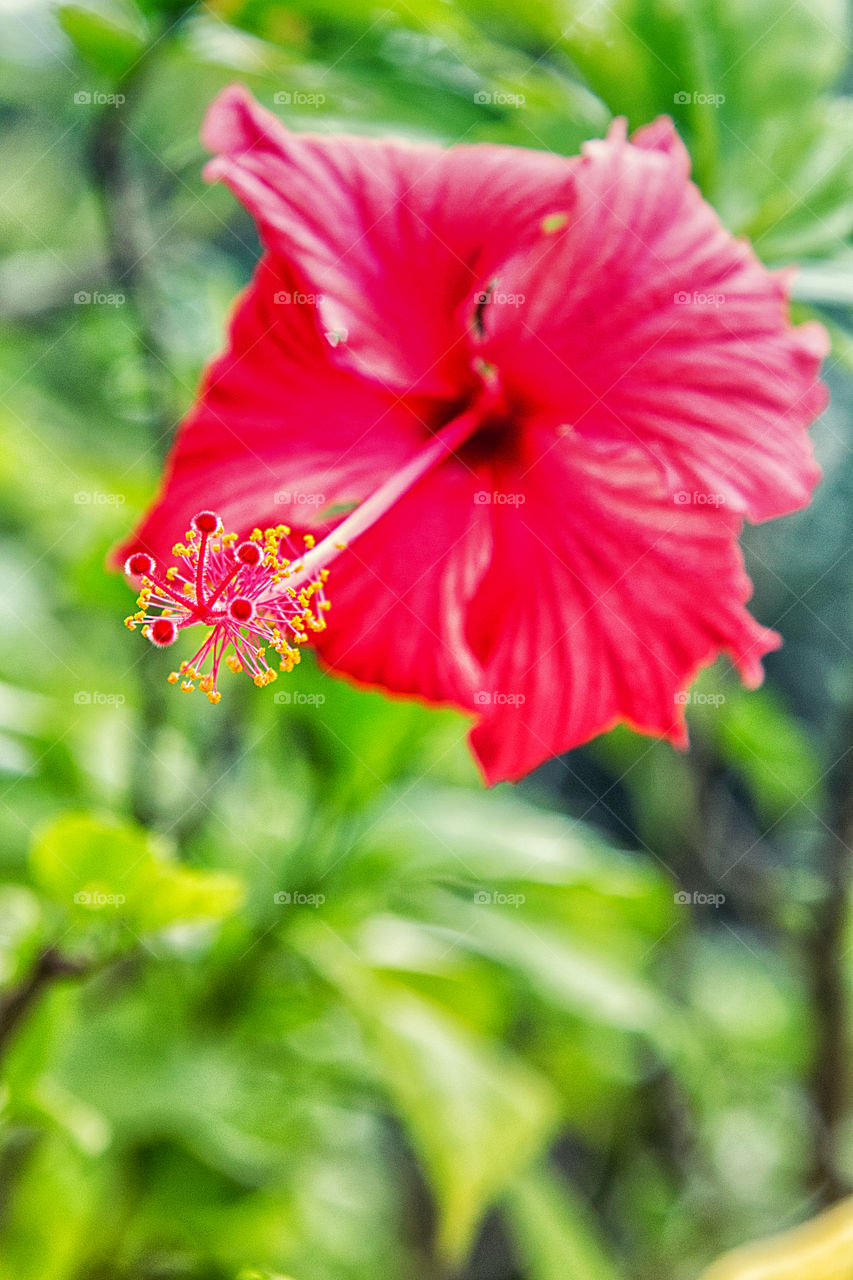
(821, 1249)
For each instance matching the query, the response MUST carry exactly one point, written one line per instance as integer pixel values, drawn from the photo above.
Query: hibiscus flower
(536, 396)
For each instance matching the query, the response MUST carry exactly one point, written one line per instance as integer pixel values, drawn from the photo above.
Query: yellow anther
(130, 623)
(171, 573)
(172, 677)
(213, 698)
(342, 546)
(187, 686)
(234, 663)
(310, 540)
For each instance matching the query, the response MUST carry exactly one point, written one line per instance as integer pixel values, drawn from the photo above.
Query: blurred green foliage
(286, 993)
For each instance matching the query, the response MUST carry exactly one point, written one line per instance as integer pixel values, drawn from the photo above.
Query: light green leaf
(573, 977)
(553, 1231)
(251, 1273)
(102, 870)
(21, 931)
(476, 1113)
(40, 1243)
(769, 747)
(109, 39)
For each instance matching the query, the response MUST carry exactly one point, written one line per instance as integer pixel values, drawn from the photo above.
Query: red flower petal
(394, 236)
(604, 614)
(279, 433)
(644, 321)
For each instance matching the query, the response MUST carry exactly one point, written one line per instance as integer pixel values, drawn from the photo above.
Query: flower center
(495, 440)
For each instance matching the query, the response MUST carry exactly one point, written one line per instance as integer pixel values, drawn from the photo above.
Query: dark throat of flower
(262, 594)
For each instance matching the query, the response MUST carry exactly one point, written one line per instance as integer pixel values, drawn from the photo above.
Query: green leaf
(476, 1113)
(771, 750)
(250, 1273)
(40, 1243)
(745, 84)
(110, 39)
(101, 870)
(571, 976)
(553, 1230)
(21, 932)
(492, 838)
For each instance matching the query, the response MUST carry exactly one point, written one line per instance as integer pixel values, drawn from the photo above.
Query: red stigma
(162, 632)
(241, 609)
(205, 522)
(138, 564)
(248, 553)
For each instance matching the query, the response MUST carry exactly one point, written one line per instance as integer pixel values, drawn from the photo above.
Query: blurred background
(283, 989)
